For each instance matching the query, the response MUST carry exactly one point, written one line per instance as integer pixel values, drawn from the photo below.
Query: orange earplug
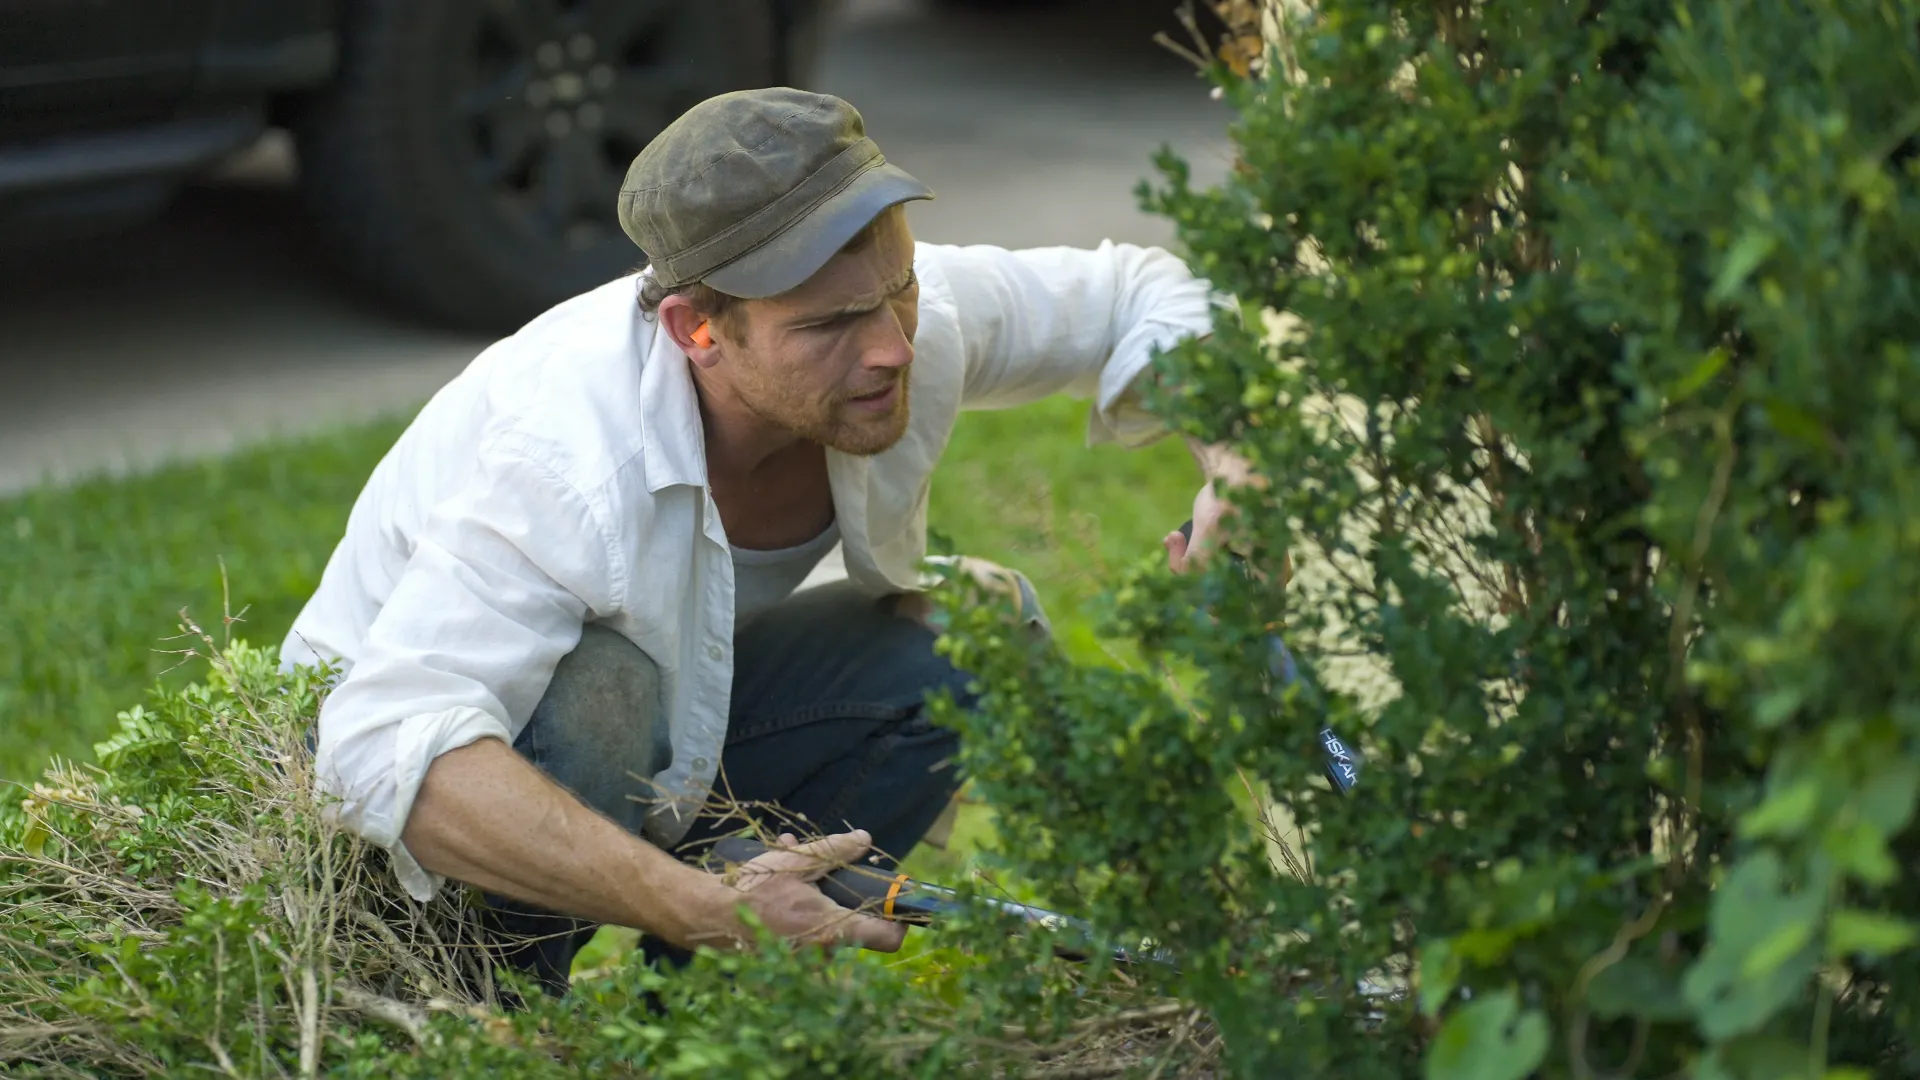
(702, 336)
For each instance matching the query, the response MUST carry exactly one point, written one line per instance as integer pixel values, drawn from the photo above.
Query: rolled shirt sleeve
(495, 592)
(1084, 322)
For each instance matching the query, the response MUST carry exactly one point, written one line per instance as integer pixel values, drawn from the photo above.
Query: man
(565, 606)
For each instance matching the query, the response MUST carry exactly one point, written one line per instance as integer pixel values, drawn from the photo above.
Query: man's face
(828, 361)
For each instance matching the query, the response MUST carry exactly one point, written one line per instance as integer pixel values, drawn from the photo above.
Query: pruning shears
(903, 898)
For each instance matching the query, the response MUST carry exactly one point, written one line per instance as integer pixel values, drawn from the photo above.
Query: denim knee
(601, 729)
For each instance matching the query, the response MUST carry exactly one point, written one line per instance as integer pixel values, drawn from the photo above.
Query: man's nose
(886, 345)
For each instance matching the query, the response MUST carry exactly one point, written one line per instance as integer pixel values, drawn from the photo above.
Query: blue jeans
(827, 723)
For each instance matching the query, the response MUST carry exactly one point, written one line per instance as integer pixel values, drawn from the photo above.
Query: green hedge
(1594, 436)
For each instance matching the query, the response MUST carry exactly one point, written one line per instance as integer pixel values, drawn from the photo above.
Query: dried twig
(309, 1024)
(393, 1013)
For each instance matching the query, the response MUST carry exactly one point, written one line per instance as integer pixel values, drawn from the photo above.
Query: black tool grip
(852, 887)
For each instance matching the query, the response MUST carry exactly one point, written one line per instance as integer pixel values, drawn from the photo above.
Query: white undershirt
(762, 579)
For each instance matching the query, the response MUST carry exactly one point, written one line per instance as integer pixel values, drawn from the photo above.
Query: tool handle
(900, 898)
(891, 895)
(1342, 764)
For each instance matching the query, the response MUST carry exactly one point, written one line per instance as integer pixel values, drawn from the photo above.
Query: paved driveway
(221, 323)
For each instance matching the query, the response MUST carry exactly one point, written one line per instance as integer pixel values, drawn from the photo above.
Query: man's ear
(683, 323)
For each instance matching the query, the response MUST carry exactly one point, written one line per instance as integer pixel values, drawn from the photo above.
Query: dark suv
(461, 156)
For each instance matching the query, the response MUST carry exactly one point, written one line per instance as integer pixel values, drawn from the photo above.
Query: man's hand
(1210, 506)
(995, 579)
(1209, 510)
(778, 886)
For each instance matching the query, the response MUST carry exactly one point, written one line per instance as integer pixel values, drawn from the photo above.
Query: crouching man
(567, 604)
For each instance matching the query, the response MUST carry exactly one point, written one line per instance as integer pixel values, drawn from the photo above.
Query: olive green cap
(753, 191)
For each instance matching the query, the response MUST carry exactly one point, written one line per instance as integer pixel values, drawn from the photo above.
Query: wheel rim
(558, 96)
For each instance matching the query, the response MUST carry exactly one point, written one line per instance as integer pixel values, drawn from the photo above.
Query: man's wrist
(689, 906)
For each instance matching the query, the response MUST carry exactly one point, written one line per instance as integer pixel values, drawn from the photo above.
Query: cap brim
(795, 255)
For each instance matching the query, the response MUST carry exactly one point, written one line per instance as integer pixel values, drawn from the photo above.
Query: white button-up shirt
(561, 479)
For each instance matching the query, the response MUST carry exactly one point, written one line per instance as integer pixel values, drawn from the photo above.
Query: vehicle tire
(466, 162)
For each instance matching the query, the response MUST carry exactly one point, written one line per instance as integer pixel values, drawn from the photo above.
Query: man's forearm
(486, 816)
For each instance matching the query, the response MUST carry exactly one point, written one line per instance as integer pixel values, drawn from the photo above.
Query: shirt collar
(671, 436)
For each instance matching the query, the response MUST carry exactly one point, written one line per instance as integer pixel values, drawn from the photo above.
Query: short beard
(857, 441)
(902, 415)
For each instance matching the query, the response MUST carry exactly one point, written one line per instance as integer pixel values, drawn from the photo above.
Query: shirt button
(699, 763)
(714, 652)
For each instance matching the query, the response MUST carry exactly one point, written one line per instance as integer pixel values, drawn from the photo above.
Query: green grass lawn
(93, 576)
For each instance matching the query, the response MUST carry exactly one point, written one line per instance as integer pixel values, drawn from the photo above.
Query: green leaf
(1702, 373)
(1777, 948)
(1636, 986)
(1439, 974)
(1747, 254)
(1755, 1057)
(1785, 812)
(1490, 1039)
(1795, 423)
(1868, 933)
(1776, 706)
(1887, 797)
(1858, 848)
(1485, 947)
(34, 842)
(1760, 948)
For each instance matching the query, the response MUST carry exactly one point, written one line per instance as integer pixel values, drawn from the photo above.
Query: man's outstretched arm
(484, 815)
(1086, 322)
(1080, 321)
